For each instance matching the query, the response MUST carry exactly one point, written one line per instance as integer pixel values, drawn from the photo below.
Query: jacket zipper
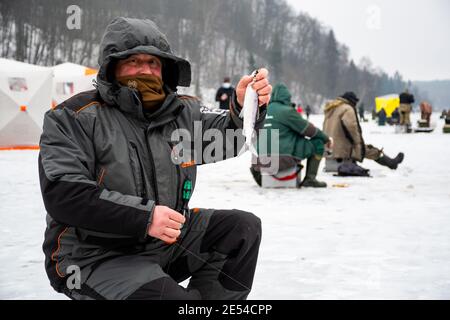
(152, 162)
(178, 184)
(141, 167)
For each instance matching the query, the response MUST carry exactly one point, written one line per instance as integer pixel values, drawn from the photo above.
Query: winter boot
(312, 166)
(389, 162)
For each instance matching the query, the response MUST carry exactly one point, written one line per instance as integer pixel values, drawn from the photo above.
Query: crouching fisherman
(117, 204)
(298, 139)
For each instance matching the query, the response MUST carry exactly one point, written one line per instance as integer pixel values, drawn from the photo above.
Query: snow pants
(372, 153)
(405, 111)
(217, 250)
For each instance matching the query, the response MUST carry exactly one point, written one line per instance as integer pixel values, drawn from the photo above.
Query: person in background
(361, 112)
(308, 111)
(382, 117)
(298, 138)
(224, 94)
(405, 108)
(374, 113)
(425, 111)
(395, 117)
(341, 123)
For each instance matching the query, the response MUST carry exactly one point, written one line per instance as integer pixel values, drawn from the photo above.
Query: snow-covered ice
(385, 237)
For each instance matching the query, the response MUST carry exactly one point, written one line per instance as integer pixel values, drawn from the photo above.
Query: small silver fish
(250, 112)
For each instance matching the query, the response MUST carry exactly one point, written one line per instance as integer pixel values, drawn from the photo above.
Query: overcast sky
(412, 36)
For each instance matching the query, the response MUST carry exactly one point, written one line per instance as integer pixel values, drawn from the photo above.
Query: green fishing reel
(187, 191)
(186, 196)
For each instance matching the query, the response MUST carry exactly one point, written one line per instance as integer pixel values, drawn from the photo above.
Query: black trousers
(218, 251)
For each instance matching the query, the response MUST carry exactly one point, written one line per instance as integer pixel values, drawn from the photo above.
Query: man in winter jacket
(405, 108)
(308, 111)
(224, 93)
(298, 138)
(425, 112)
(118, 223)
(341, 123)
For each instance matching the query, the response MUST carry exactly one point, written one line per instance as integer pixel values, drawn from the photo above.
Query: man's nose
(145, 69)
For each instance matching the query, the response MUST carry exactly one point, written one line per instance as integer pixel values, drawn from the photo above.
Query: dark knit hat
(406, 97)
(351, 97)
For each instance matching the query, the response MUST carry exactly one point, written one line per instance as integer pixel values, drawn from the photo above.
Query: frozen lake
(385, 237)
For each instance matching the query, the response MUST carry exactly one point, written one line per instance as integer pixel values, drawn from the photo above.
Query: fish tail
(253, 150)
(243, 150)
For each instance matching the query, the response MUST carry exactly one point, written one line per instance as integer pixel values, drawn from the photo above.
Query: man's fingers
(174, 225)
(171, 233)
(176, 216)
(262, 100)
(260, 79)
(245, 81)
(262, 73)
(167, 239)
(260, 82)
(266, 90)
(258, 85)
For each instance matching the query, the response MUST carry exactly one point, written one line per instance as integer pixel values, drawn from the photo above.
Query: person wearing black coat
(224, 93)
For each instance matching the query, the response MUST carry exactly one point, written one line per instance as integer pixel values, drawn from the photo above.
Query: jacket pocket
(138, 171)
(62, 254)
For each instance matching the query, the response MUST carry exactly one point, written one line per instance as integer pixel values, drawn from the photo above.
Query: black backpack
(352, 169)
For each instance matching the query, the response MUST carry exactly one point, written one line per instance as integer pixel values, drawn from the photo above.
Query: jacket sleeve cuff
(143, 207)
(149, 221)
(312, 132)
(235, 110)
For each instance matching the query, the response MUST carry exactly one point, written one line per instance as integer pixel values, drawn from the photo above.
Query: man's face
(139, 64)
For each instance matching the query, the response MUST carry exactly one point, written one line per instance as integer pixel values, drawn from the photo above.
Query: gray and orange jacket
(104, 165)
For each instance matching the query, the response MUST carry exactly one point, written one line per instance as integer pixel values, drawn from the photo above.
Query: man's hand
(330, 144)
(261, 85)
(224, 97)
(166, 224)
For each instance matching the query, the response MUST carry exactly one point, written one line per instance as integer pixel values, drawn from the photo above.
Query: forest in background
(219, 38)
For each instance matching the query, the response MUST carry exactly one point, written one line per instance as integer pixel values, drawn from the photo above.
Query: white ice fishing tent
(25, 95)
(70, 79)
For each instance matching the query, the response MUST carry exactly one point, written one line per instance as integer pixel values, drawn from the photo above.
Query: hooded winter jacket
(341, 123)
(104, 165)
(295, 132)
